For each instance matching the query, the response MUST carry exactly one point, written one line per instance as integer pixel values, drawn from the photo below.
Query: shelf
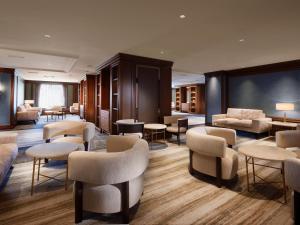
(116, 109)
(115, 79)
(116, 94)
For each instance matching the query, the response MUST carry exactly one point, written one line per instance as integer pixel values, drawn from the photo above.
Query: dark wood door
(147, 94)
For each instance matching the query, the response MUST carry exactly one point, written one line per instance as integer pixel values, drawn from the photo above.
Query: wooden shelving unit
(194, 99)
(177, 106)
(115, 96)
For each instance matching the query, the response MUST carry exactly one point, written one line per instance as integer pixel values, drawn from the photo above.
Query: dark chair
(180, 128)
(131, 128)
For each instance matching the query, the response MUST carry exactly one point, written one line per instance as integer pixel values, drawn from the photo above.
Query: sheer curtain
(51, 95)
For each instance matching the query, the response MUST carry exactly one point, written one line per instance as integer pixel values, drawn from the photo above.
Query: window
(51, 95)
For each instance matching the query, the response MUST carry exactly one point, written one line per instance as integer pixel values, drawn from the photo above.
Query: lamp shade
(285, 106)
(29, 101)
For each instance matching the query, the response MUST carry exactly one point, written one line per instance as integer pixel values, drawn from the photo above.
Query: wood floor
(171, 196)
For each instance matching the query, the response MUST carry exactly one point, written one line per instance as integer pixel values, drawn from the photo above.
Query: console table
(279, 126)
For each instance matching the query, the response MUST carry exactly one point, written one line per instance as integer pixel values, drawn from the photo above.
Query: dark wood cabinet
(88, 98)
(133, 87)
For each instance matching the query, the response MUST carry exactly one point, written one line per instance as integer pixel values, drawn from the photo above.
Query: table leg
(283, 182)
(247, 173)
(38, 176)
(32, 181)
(165, 136)
(66, 181)
(47, 118)
(253, 170)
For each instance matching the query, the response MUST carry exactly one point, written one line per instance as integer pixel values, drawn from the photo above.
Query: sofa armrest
(7, 138)
(228, 134)
(261, 125)
(292, 172)
(218, 117)
(28, 115)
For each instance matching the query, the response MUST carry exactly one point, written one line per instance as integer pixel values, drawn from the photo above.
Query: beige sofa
(74, 109)
(210, 154)
(8, 152)
(112, 181)
(28, 107)
(78, 132)
(24, 114)
(250, 120)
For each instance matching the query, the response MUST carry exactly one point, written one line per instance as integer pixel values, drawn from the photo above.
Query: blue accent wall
(263, 91)
(213, 97)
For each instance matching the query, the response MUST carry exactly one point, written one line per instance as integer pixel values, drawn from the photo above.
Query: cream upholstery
(251, 120)
(24, 114)
(209, 143)
(30, 108)
(102, 172)
(8, 152)
(82, 132)
(288, 139)
(74, 108)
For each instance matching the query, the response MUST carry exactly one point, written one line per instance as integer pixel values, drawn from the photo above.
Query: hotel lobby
(149, 112)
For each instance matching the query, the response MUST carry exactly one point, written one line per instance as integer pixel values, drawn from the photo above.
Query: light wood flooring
(171, 196)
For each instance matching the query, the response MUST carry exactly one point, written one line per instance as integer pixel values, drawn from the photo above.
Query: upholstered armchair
(112, 181)
(288, 139)
(74, 109)
(78, 132)
(8, 152)
(31, 108)
(292, 174)
(210, 154)
(176, 125)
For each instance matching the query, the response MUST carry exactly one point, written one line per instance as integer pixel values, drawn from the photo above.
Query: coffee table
(155, 129)
(57, 151)
(269, 153)
(279, 126)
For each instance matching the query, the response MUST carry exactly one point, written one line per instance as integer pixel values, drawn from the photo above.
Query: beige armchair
(288, 139)
(8, 152)
(112, 181)
(209, 152)
(292, 174)
(31, 108)
(176, 125)
(78, 132)
(74, 109)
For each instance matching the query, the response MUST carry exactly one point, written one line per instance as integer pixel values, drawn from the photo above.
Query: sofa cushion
(21, 108)
(251, 114)
(27, 106)
(234, 113)
(225, 121)
(242, 123)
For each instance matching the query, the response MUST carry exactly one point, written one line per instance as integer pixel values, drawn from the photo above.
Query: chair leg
(219, 171)
(125, 201)
(78, 201)
(191, 162)
(86, 146)
(296, 207)
(178, 139)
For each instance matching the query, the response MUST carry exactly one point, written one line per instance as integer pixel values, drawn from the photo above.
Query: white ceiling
(182, 78)
(206, 40)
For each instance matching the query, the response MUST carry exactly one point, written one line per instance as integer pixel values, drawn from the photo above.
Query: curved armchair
(74, 131)
(288, 138)
(209, 153)
(74, 109)
(292, 174)
(112, 181)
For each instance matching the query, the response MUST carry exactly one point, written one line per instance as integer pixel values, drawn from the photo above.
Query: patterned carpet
(171, 195)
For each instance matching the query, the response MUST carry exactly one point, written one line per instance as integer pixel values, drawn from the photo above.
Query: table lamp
(285, 107)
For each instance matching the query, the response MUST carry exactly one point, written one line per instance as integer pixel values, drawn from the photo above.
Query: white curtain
(51, 95)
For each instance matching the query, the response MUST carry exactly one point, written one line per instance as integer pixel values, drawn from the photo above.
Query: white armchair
(292, 174)
(112, 181)
(209, 153)
(74, 109)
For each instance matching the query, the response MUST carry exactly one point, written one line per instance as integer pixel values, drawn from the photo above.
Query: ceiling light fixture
(182, 16)
(162, 52)
(242, 40)
(47, 36)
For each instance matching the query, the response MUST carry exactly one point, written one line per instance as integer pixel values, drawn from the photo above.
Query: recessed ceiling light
(242, 40)
(47, 36)
(182, 16)
(162, 52)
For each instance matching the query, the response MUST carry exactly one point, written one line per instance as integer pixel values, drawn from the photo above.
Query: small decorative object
(285, 107)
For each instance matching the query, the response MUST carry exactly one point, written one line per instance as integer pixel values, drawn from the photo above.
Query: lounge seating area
(149, 112)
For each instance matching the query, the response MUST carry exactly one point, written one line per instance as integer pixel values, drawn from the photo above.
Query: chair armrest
(7, 138)
(292, 173)
(288, 138)
(228, 134)
(28, 115)
(101, 168)
(218, 117)
(206, 144)
(261, 124)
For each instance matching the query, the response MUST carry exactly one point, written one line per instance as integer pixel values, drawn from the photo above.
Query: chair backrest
(127, 128)
(288, 138)
(127, 121)
(116, 143)
(89, 131)
(76, 105)
(168, 120)
(184, 122)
